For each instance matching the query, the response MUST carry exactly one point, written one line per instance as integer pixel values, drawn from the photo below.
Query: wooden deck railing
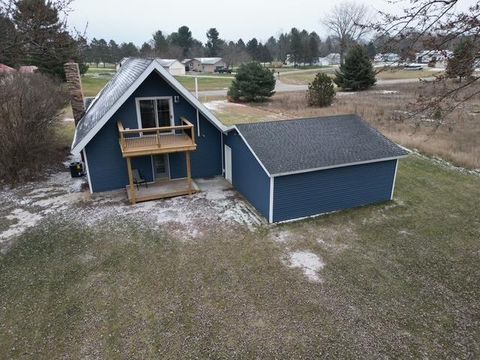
(158, 140)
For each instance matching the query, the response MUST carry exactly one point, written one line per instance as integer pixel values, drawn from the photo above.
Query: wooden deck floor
(162, 189)
(151, 145)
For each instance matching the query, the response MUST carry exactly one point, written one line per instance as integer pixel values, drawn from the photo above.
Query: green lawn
(205, 83)
(96, 78)
(401, 280)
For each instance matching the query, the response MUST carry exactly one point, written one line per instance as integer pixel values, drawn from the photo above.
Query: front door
(160, 166)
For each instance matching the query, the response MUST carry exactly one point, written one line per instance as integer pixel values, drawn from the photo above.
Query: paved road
(282, 87)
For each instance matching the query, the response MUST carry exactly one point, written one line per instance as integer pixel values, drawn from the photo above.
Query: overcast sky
(136, 20)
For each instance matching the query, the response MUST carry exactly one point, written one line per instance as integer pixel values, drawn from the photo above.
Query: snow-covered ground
(61, 197)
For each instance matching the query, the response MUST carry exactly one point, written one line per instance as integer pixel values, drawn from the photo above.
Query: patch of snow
(67, 119)
(219, 105)
(386, 92)
(24, 220)
(308, 262)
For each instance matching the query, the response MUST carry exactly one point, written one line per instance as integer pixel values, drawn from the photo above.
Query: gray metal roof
(209, 60)
(300, 145)
(130, 70)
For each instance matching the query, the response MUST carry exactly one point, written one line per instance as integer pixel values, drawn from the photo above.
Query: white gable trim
(270, 206)
(155, 65)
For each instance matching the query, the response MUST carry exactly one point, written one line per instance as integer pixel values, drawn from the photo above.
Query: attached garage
(299, 168)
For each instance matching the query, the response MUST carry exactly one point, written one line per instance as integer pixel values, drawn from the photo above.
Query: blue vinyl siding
(318, 192)
(108, 169)
(248, 177)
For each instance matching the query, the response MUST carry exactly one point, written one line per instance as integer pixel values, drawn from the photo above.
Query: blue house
(146, 133)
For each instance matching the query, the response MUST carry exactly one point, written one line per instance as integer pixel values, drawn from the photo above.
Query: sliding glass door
(155, 112)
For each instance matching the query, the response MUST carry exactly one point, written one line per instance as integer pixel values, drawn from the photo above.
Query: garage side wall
(248, 176)
(312, 193)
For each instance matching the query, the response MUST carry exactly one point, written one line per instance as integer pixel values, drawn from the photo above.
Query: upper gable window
(155, 112)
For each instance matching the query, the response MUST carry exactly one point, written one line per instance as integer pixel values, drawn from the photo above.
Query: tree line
(297, 46)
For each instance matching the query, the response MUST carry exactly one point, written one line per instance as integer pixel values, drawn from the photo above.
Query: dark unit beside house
(144, 126)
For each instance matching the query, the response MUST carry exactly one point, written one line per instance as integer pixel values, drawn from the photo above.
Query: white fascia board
(339, 166)
(394, 179)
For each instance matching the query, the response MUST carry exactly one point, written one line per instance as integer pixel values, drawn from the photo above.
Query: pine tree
(461, 64)
(253, 82)
(357, 71)
(44, 37)
(214, 43)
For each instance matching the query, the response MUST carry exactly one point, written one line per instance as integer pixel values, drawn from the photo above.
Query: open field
(96, 278)
(385, 107)
(304, 77)
(205, 83)
(96, 78)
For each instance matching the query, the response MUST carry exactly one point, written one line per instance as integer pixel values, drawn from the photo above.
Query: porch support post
(189, 172)
(130, 180)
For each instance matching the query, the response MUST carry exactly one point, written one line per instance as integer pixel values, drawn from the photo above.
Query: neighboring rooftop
(209, 60)
(306, 144)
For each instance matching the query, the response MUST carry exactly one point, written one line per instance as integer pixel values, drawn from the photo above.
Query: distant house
(6, 69)
(387, 58)
(427, 56)
(204, 64)
(330, 59)
(145, 127)
(173, 66)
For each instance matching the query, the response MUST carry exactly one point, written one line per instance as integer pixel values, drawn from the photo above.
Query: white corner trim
(154, 65)
(253, 152)
(88, 171)
(270, 210)
(340, 166)
(394, 179)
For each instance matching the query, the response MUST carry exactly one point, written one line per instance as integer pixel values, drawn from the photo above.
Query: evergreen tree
(461, 64)
(146, 50)
(296, 46)
(128, 50)
(357, 71)
(253, 82)
(43, 37)
(320, 91)
(283, 47)
(313, 48)
(114, 52)
(252, 49)
(214, 43)
(160, 44)
(183, 39)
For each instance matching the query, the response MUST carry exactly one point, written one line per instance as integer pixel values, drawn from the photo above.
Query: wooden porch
(156, 141)
(162, 189)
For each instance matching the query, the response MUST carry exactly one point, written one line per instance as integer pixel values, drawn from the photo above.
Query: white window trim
(270, 210)
(170, 101)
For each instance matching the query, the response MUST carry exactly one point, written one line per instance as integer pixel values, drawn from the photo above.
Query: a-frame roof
(129, 77)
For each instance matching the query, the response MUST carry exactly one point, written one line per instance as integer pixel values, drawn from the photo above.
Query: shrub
(30, 112)
(320, 91)
(357, 72)
(253, 82)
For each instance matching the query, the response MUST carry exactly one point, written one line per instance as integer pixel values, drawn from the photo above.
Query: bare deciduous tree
(345, 21)
(436, 25)
(30, 110)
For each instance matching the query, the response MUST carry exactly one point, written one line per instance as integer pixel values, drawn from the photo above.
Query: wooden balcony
(159, 140)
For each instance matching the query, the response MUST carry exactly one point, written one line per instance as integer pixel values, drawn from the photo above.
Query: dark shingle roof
(305, 144)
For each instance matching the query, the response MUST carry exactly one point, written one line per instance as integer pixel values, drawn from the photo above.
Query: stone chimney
(74, 83)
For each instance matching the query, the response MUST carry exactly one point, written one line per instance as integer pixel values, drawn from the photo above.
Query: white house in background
(173, 66)
(330, 59)
(388, 58)
(427, 56)
(204, 64)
